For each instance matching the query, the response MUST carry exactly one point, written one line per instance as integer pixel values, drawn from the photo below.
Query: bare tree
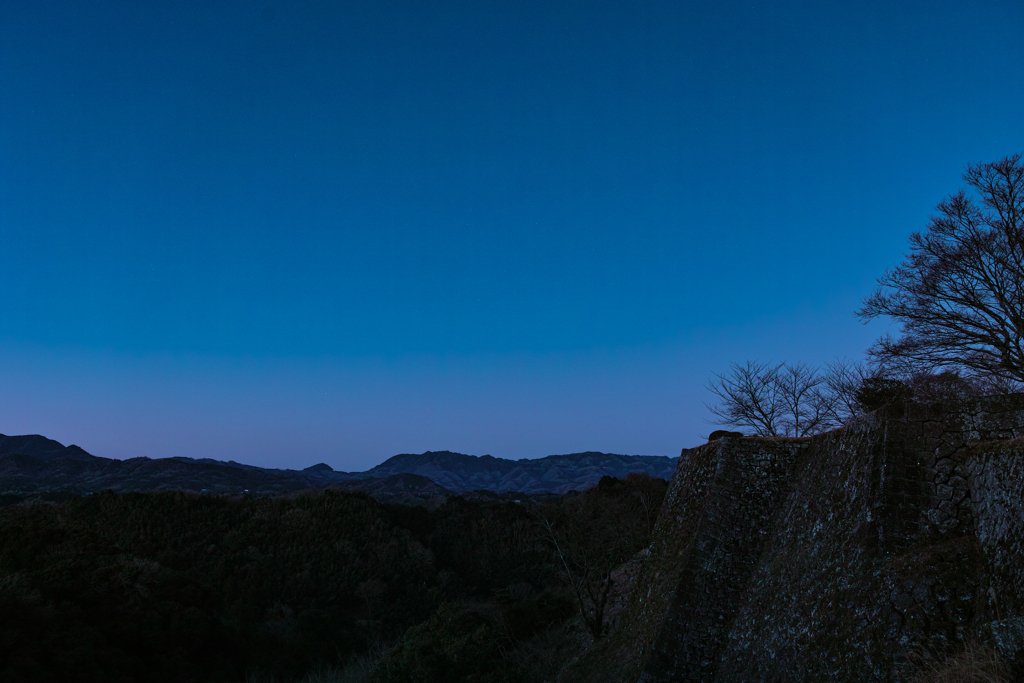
(855, 388)
(844, 380)
(858, 388)
(808, 409)
(959, 293)
(593, 533)
(773, 400)
(648, 494)
(798, 400)
(583, 563)
(952, 384)
(749, 398)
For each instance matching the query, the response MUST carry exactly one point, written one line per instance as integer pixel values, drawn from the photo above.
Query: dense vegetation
(177, 587)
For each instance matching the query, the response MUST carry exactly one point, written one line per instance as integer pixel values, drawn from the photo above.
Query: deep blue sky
(293, 232)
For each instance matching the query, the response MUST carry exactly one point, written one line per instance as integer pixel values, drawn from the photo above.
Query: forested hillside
(175, 586)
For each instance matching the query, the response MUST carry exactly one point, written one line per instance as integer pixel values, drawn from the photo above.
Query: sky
(285, 233)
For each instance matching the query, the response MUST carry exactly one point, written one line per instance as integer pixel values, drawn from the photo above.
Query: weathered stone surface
(996, 483)
(832, 558)
(1007, 637)
(730, 537)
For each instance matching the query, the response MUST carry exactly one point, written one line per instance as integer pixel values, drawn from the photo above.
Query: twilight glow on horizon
(285, 233)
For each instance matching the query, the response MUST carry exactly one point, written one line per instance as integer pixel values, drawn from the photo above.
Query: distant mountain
(397, 488)
(34, 464)
(42, 448)
(553, 474)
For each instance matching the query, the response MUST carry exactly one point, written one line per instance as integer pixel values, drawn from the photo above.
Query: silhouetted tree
(773, 400)
(593, 533)
(844, 380)
(876, 392)
(959, 293)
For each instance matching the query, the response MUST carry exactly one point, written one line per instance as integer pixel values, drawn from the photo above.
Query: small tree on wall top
(773, 399)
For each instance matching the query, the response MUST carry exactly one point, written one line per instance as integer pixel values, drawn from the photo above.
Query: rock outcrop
(833, 558)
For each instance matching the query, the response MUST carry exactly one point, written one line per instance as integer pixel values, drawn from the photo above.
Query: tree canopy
(959, 293)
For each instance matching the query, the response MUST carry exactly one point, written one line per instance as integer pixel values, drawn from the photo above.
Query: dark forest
(324, 585)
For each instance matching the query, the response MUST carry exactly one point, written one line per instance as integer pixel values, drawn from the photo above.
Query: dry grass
(976, 663)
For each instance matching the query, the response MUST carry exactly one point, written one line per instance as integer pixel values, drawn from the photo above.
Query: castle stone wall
(832, 558)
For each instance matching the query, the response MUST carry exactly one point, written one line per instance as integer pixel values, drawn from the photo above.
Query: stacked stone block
(838, 558)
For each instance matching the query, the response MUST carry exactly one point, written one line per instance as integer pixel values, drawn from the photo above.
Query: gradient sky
(295, 232)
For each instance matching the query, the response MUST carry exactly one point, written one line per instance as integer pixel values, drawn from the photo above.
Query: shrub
(457, 643)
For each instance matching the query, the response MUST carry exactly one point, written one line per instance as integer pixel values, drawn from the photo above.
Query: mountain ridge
(457, 471)
(33, 464)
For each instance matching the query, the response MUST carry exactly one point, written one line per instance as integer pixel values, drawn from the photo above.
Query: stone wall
(832, 558)
(996, 480)
(731, 533)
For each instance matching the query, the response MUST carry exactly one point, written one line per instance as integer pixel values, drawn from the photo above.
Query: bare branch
(959, 293)
(773, 400)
